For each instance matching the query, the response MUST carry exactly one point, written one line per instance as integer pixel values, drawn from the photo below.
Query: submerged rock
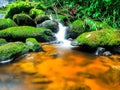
(107, 53)
(11, 50)
(22, 32)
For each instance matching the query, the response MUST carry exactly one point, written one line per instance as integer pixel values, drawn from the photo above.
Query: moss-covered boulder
(23, 32)
(105, 37)
(91, 25)
(50, 24)
(33, 45)
(5, 23)
(12, 50)
(76, 28)
(41, 18)
(2, 41)
(23, 20)
(18, 7)
(35, 12)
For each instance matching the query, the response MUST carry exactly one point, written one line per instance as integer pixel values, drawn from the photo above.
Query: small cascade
(60, 35)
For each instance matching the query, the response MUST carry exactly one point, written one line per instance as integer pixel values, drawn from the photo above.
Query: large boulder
(76, 28)
(50, 24)
(33, 45)
(105, 37)
(6, 23)
(18, 7)
(23, 32)
(23, 20)
(41, 18)
(12, 50)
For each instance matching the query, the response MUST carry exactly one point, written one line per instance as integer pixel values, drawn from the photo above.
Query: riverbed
(61, 68)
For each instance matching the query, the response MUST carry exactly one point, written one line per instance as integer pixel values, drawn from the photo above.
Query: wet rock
(50, 24)
(41, 81)
(28, 68)
(33, 45)
(80, 87)
(99, 51)
(107, 53)
(75, 43)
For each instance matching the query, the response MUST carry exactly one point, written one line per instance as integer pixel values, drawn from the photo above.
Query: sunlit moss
(5, 23)
(103, 37)
(10, 50)
(23, 32)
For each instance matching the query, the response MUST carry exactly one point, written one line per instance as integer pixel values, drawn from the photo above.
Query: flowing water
(61, 67)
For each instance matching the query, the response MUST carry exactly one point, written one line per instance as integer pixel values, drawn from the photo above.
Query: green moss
(33, 44)
(41, 18)
(18, 7)
(103, 37)
(5, 23)
(92, 25)
(23, 20)
(2, 41)
(35, 12)
(77, 28)
(23, 32)
(10, 50)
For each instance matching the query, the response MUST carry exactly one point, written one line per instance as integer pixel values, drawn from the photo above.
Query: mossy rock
(6, 23)
(50, 24)
(33, 45)
(22, 32)
(23, 20)
(76, 28)
(91, 25)
(35, 12)
(105, 37)
(41, 18)
(12, 50)
(2, 41)
(18, 7)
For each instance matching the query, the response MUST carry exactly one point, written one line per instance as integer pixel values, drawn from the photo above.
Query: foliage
(2, 41)
(35, 12)
(22, 32)
(103, 10)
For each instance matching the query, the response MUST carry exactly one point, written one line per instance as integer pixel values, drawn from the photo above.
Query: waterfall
(60, 35)
(3, 3)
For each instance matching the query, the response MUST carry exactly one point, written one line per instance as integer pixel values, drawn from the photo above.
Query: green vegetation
(5, 23)
(41, 18)
(23, 32)
(23, 20)
(103, 37)
(35, 12)
(2, 41)
(33, 44)
(11, 50)
(77, 28)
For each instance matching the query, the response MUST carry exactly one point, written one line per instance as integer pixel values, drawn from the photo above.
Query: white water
(60, 35)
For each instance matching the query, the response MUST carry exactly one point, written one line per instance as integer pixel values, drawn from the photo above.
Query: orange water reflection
(61, 69)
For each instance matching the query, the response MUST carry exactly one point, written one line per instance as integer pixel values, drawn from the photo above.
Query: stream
(60, 68)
